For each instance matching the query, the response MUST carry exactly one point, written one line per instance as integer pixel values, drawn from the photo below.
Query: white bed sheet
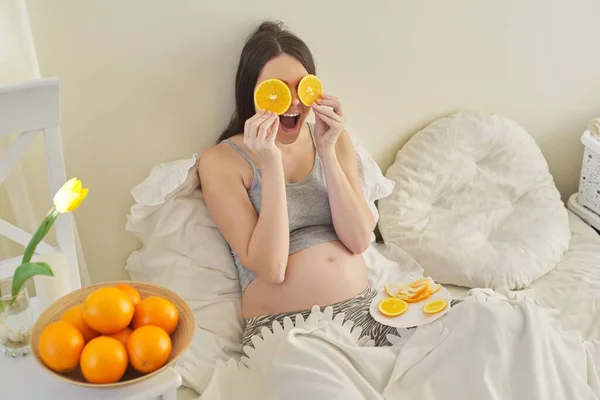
(323, 357)
(573, 286)
(186, 393)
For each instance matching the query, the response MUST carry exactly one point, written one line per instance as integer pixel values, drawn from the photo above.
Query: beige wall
(27, 182)
(8, 248)
(156, 77)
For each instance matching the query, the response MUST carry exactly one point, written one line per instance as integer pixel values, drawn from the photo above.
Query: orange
(421, 290)
(156, 311)
(391, 289)
(435, 306)
(422, 297)
(74, 316)
(132, 292)
(435, 288)
(392, 307)
(402, 292)
(413, 292)
(419, 282)
(273, 95)
(103, 360)
(122, 336)
(310, 90)
(149, 348)
(108, 310)
(60, 346)
(397, 290)
(421, 286)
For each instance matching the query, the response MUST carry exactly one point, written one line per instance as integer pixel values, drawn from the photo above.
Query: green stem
(39, 234)
(28, 269)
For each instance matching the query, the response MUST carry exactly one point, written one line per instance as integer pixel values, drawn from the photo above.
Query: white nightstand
(23, 379)
(588, 216)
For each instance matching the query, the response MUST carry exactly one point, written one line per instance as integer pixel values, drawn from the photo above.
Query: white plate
(414, 316)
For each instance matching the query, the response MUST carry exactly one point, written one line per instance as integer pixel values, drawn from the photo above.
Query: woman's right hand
(260, 132)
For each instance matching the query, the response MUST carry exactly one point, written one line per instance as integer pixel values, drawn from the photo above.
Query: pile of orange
(417, 291)
(112, 330)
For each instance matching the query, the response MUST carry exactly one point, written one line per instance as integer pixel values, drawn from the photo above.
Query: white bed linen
(488, 347)
(573, 287)
(183, 250)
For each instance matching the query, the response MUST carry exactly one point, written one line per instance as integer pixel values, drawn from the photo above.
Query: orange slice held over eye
(273, 95)
(310, 90)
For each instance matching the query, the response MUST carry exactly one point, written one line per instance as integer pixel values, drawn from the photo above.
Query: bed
(476, 206)
(555, 300)
(573, 286)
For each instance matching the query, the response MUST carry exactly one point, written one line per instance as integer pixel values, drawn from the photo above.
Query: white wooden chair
(31, 109)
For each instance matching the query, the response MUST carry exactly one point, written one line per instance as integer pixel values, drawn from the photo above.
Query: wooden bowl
(180, 338)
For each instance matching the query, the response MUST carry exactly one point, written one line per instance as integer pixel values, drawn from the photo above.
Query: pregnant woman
(286, 196)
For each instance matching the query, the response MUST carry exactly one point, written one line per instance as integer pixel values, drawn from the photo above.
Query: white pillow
(183, 250)
(475, 204)
(375, 186)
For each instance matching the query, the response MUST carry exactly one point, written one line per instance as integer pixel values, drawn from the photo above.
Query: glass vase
(16, 322)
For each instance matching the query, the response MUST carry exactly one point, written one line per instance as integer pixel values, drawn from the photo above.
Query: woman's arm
(352, 218)
(261, 242)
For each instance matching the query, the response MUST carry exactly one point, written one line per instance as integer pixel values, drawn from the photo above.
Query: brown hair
(267, 42)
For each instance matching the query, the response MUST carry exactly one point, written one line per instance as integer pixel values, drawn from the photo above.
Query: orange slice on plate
(412, 292)
(434, 307)
(420, 282)
(421, 290)
(310, 90)
(422, 297)
(398, 291)
(435, 288)
(392, 307)
(392, 289)
(273, 95)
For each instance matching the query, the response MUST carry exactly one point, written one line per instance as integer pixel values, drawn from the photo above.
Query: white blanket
(488, 347)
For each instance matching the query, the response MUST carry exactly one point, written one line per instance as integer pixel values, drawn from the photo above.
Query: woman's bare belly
(324, 274)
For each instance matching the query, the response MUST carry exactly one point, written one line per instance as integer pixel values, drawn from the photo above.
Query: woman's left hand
(329, 121)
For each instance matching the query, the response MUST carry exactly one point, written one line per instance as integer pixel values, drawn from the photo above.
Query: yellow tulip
(70, 196)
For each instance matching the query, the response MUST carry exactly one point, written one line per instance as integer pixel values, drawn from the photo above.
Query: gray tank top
(309, 213)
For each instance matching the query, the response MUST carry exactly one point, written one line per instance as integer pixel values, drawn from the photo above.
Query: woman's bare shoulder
(220, 159)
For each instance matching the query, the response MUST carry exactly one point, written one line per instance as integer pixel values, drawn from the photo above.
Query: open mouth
(289, 120)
